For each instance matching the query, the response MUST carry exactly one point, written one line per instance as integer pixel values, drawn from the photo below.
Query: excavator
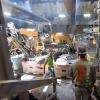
(16, 47)
(34, 38)
(24, 42)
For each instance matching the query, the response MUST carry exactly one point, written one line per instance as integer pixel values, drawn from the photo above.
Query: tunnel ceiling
(51, 9)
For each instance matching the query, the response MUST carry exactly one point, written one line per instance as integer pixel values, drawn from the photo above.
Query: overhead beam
(18, 11)
(92, 1)
(45, 1)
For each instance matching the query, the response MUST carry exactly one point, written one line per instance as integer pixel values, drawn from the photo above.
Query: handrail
(9, 88)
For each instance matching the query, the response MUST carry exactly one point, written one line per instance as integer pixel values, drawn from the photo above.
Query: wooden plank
(8, 88)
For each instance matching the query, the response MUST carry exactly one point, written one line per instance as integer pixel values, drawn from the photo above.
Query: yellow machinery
(61, 38)
(36, 38)
(28, 32)
(92, 42)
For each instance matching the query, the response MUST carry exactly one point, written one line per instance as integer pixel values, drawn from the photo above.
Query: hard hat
(81, 50)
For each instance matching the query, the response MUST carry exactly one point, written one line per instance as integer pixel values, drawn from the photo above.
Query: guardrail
(12, 87)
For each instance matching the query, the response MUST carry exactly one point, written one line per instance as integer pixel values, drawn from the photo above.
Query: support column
(71, 9)
(6, 71)
(99, 15)
(98, 37)
(73, 24)
(99, 34)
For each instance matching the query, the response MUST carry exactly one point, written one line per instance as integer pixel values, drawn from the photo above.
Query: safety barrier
(13, 87)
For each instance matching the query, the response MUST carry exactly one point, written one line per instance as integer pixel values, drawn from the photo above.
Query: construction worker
(83, 76)
(49, 63)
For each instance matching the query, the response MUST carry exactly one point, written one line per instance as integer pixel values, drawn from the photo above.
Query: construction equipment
(17, 44)
(61, 38)
(35, 36)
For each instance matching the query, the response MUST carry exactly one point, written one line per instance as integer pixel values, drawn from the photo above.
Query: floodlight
(61, 15)
(7, 13)
(87, 15)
